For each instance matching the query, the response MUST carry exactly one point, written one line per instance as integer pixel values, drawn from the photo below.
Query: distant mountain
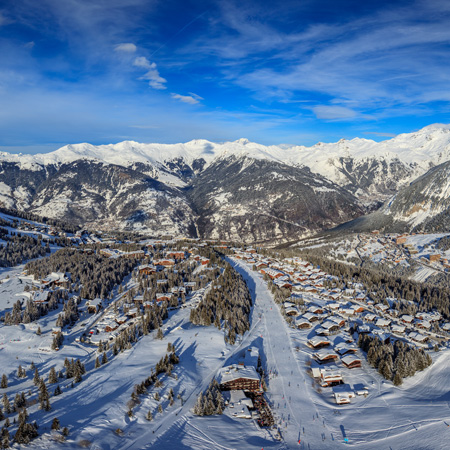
(237, 197)
(232, 190)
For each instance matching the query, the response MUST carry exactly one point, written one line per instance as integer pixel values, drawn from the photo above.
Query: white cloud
(126, 48)
(155, 80)
(333, 112)
(192, 99)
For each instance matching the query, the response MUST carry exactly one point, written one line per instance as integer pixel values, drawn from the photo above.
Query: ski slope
(415, 416)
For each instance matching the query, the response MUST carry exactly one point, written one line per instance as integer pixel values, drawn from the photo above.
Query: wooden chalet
(351, 361)
(147, 269)
(325, 356)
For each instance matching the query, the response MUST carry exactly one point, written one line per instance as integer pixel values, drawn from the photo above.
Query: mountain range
(236, 190)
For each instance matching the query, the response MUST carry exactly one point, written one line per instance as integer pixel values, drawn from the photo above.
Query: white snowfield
(415, 416)
(428, 146)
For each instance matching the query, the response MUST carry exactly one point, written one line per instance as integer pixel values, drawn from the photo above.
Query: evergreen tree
(57, 391)
(52, 378)
(4, 382)
(36, 378)
(397, 379)
(97, 363)
(149, 416)
(55, 424)
(104, 358)
(6, 404)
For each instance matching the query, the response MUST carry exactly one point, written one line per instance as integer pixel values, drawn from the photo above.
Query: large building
(236, 377)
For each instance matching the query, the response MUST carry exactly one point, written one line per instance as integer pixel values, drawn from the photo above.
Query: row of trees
(394, 361)
(227, 303)
(33, 311)
(164, 365)
(94, 275)
(20, 247)
(210, 402)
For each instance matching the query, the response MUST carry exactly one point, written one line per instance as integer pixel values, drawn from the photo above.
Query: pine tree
(149, 416)
(104, 358)
(397, 379)
(4, 438)
(55, 424)
(36, 378)
(4, 382)
(52, 378)
(44, 399)
(57, 391)
(39, 331)
(160, 408)
(160, 334)
(6, 404)
(97, 363)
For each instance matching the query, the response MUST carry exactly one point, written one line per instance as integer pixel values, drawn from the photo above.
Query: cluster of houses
(396, 249)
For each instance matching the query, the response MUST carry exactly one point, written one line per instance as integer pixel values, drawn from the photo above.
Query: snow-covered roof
(234, 372)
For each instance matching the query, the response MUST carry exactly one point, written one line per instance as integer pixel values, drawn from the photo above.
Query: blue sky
(103, 71)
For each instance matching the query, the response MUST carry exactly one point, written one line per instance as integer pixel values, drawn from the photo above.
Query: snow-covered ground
(412, 416)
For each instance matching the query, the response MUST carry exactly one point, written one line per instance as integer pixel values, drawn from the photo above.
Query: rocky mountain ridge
(233, 190)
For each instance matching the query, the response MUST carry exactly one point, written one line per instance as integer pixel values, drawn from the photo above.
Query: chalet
(292, 311)
(351, 361)
(423, 324)
(329, 326)
(315, 309)
(340, 321)
(311, 317)
(283, 284)
(381, 306)
(382, 322)
(236, 377)
(330, 377)
(434, 257)
(41, 296)
(94, 306)
(398, 329)
(146, 269)
(318, 342)
(272, 273)
(55, 279)
(302, 323)
(204, 261)
(164, 262)
(137, 254)
(406, 318)
(343, 349)
(342, 398)
(415, 336)
(325, 356)
(175, 255)
(160, 297)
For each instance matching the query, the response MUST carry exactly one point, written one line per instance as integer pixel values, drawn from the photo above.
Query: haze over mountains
(236, 190)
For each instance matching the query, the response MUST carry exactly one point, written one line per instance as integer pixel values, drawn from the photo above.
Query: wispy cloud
(155, 80)
(126, 48)
(192, 99)
(333, 112)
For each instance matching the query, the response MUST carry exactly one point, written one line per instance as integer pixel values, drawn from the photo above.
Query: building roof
(234, 372)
